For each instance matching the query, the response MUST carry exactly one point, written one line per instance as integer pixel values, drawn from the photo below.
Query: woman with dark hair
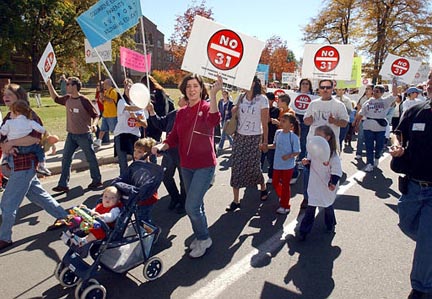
(250, 138)
(193, 134)
(127, 130)
(367, 94)
(161, 102)
(23, 180)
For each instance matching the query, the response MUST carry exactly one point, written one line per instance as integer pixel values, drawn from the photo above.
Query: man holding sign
(81, 121)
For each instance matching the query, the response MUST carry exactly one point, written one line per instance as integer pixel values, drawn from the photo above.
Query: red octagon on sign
(302, 102)
(131, 122)
(88, 52)
(225, 49)
(400, 67)
(48, 62)
(326, 59)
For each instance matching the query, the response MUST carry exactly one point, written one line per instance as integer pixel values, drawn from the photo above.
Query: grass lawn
(54, 116)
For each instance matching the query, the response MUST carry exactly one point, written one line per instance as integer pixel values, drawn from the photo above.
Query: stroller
(127, 245)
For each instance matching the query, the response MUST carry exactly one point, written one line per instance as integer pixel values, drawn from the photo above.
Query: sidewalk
(104, 155)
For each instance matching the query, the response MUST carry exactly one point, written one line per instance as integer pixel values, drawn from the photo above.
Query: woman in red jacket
(193, 134)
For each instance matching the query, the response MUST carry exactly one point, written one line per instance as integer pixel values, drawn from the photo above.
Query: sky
(284, 18)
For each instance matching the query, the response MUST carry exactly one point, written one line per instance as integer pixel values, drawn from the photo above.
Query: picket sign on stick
(145, 51)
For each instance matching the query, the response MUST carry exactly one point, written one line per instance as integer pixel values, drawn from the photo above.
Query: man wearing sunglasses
(326, 111)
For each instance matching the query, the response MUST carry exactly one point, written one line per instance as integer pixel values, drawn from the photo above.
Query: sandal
(232, 207)
(264, 195)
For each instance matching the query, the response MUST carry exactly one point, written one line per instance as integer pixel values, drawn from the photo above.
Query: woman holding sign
(251, 137)
(193, 135)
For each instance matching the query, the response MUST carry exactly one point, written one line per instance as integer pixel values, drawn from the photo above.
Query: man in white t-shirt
(326, 111)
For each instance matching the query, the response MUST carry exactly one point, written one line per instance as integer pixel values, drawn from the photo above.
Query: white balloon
(318, 148)
(140, 95)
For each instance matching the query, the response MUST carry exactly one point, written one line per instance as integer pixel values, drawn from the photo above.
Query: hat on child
(411, 90)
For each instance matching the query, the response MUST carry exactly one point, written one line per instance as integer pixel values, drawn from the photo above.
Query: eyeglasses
(326, 87)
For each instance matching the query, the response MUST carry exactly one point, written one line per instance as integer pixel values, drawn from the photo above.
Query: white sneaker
(293, 180)
(368, 168)
(97, 142)
(269, 181)
(282, 211)
(194, 244)
(43, 170)
(358, 157)
(200, 248)
(376, 162)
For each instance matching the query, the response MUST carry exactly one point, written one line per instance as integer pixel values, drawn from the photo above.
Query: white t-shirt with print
(377, 109)
(125, 123)
(321, 111)
(249, 122)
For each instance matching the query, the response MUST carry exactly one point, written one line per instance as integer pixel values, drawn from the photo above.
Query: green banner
(355, 81)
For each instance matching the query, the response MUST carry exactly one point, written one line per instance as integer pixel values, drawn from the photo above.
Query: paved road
(254, 254)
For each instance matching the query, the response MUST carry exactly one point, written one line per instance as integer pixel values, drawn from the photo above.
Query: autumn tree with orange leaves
(277, 55)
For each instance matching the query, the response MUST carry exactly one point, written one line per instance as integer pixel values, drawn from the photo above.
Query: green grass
(54, 115)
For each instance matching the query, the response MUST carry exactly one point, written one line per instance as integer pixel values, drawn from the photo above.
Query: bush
(169, 78)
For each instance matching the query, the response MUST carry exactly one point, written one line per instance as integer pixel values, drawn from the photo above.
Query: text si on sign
(326, 59)
(400, 67)
(225, 49)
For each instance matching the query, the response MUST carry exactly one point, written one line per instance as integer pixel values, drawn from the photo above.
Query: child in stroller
(107, 211)
(127, 245)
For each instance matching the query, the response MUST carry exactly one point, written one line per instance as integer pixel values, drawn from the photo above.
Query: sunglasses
(326, 87)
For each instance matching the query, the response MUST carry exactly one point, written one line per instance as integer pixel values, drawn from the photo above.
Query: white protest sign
(104, 50)
(328, 61)
(47, 62)
(277, 91)
(261, 76)
(422, 74)
(213, 49)
(300, 101)
(404, 69)
(288, 78)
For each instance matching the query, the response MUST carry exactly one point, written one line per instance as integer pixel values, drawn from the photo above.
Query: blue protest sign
(109, 18)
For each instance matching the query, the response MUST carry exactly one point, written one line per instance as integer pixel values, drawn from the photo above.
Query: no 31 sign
(225, 49)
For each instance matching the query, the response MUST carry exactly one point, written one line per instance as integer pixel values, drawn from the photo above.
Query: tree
(182, 30)
(399, 27)
(277, 55)
(28, 26)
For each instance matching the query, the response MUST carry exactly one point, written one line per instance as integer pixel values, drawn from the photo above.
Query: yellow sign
(355, 81)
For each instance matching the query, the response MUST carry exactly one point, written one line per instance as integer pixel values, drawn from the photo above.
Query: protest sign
(47, 62)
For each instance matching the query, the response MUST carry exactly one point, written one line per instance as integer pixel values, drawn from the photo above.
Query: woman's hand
(159, 148)
(217, 86)
(150, 109)
(263, 147)
(305, 161)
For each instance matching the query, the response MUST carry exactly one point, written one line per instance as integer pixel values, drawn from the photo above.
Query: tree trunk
(35, 84)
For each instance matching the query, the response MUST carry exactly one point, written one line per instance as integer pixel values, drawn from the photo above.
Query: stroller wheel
(79, 290)
(68, 278)
(58, 270)
(94, 291)
(152, 268)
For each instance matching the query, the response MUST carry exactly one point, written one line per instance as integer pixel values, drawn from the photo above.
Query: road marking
(243, 266)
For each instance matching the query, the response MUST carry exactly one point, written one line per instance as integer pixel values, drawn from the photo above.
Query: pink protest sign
(134, 60)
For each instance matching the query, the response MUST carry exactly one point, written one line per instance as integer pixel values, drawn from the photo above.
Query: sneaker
(43, 170)
(368, 168)
(358, 157)
(201, 248)
(294, 180)
(94, 185)
(282, 211)
(376, 162)
(97, 143)
(269, 181)
(193, 244)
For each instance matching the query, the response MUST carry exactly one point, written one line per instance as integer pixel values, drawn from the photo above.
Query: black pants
(171, 162)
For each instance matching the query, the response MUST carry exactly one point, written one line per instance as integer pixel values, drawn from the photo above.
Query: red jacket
(193, 134)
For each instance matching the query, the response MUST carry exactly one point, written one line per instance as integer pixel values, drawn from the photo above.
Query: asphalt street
(254, 252)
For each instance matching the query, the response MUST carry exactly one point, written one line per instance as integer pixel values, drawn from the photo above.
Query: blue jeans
(25, 183)
(360, 140)
(415, 220)
(35, 149)
(374, 142)
(304, 131)
(342, 133)
(309, 219)
(85, 142)
(197, 182)
(223, 137)
(306, 173)
(108, 124)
